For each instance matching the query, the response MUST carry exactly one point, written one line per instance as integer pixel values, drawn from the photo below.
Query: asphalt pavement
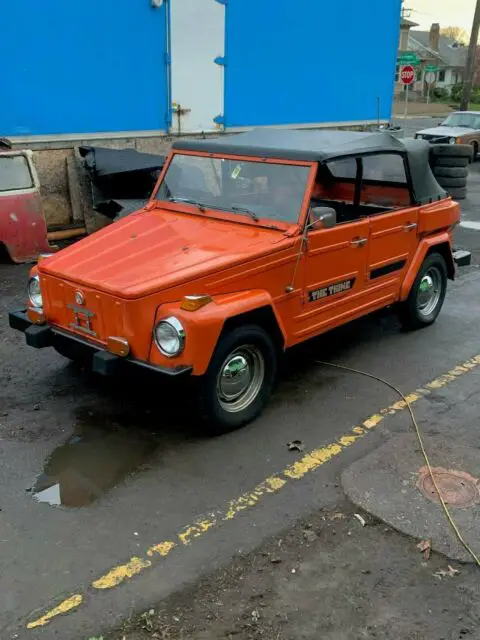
(112, 500)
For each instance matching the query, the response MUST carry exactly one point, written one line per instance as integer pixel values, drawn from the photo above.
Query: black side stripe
(388, 268)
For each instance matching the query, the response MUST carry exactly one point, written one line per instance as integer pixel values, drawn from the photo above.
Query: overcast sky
(449, 13)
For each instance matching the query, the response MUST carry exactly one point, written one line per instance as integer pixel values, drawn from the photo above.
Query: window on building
(397, 73)
(441, 75)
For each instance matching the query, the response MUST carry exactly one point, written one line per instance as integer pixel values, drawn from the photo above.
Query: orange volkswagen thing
(250, 245)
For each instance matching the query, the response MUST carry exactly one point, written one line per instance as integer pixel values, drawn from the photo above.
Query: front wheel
(239, 379)
(426, 297)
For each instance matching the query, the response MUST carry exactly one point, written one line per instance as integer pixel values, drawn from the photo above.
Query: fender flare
(204, 327)
(443, 242)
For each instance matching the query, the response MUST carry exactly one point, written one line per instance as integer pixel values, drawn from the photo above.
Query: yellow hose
(422, 447)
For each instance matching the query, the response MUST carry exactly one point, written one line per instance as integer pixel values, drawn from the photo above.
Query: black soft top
(321, 146)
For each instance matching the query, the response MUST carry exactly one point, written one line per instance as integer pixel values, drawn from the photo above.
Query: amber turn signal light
(35, 316)
(192, 303)
(118, 346)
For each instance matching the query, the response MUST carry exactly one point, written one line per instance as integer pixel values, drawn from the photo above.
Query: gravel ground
(327, 578)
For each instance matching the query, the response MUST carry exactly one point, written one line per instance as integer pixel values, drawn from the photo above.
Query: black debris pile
(122, 180)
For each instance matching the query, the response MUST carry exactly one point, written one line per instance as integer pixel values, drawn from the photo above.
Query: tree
(456, 33)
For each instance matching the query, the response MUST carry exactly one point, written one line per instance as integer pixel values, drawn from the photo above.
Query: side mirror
(322, 218)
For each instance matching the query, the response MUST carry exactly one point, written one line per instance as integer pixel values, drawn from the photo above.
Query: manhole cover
(458, 488)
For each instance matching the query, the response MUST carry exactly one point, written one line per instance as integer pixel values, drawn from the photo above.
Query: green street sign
(408, 57)
(431, 67)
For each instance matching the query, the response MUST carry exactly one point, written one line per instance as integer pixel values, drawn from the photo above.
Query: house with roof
(432, 49)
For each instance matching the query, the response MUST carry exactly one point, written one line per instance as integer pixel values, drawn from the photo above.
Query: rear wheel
(239, 379)
(475, 151)
(426, 297)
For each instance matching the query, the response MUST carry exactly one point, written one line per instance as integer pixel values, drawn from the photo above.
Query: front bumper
(103, 362)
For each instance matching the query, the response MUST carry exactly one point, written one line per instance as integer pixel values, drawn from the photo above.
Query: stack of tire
(449, 164)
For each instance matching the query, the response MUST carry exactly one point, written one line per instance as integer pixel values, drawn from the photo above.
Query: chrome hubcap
(429, 291)
(240, 378)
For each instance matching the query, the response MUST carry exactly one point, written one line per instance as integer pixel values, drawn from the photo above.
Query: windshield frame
(271, 223)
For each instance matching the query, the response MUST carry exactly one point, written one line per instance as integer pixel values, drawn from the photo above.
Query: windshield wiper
(200, 206)
(249, 212)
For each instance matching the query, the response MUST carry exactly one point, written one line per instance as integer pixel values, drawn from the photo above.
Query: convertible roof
(320, 146)
(290, 144)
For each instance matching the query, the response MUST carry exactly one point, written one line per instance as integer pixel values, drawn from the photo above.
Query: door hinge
(224, 2)
(219, 119)
(220, 60)
(168, 59)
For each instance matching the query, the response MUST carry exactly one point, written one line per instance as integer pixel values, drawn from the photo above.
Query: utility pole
(471, 59)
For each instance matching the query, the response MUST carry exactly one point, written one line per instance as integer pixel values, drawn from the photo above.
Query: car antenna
(291, 287)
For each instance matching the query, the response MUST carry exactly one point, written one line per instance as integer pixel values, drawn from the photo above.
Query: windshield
(243, 187)
(470, 120)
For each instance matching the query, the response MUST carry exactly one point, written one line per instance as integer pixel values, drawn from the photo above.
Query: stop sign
(407, 74)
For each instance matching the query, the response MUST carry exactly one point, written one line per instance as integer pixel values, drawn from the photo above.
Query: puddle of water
(470, 225)
(94, 460)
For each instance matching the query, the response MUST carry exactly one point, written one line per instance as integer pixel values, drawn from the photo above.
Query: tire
(459, 193)
(248, 345)
(452, 150)
(450, 172)
(475, 151)
(456, 183)
(422, 307)
(450, 161)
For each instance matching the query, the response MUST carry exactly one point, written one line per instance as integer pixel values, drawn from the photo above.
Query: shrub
(440, 93)
(457, 91)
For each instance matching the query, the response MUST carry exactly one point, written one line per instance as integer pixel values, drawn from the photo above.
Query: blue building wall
(309, 61)
(99, 66)
(82, 66)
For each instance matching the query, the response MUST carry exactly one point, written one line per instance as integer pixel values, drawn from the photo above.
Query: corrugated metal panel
(309, 61)
(82, 67)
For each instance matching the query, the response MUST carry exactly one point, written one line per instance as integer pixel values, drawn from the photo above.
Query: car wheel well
(445, 251)
(4, 254)
(263, 317)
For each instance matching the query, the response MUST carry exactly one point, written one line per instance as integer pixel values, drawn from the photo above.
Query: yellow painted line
(121, 573)
(64, 607)
(307, 463)
(163, 549)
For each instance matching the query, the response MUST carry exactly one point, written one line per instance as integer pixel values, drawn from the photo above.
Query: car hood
(157, 249)
(451, 132)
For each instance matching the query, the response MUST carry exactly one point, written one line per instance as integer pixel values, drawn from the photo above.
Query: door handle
(358, 242)
(409, 226)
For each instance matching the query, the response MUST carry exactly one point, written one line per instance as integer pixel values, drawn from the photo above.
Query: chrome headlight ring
(169, 336)
(34, 292)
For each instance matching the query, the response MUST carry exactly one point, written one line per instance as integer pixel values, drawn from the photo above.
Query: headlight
(34, 292)
(170, 337)
(452, 140)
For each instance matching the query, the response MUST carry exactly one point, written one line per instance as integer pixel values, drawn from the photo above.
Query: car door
(335, 263)
(22, 226)
(393, 232)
